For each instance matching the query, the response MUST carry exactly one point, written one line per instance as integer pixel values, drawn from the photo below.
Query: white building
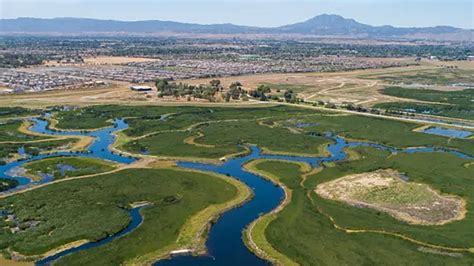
(140, 88)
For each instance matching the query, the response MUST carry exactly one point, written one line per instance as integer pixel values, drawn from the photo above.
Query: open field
(255, 233)
(149, 119)
(337, 87)
(385, 190)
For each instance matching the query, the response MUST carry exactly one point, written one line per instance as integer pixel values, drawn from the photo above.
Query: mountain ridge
(322, 25)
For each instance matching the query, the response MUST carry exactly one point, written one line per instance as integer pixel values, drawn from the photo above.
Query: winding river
(225, 245)
(99, 148)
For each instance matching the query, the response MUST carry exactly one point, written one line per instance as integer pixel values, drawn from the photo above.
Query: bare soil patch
(386, 191)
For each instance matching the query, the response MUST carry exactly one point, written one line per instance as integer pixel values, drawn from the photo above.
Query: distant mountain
(322, 25)
(327, 25)
(339, 26)
(84, 25)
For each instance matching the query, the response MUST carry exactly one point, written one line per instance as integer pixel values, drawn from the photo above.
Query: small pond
(448, 132)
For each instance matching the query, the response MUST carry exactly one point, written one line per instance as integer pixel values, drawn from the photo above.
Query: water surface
(448, 132)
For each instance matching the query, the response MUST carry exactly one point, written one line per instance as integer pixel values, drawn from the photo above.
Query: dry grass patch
(386, 191)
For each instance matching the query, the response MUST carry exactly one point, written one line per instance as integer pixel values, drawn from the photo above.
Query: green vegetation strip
(64, 167)
(13, 112)
(255, 233)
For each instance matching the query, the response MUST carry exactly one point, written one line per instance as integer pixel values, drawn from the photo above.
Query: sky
(406, 13)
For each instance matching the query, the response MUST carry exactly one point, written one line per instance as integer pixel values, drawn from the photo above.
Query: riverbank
(254, 235)
(193, 234)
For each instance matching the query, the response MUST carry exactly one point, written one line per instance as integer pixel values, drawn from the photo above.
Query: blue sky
(457, 13)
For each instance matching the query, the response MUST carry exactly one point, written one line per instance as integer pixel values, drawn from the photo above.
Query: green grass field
(276, 139)
(172, 144)
(64, 167)
(147, 119)
(221, 139)
(462, 97)
(91, 209)
(457, 104)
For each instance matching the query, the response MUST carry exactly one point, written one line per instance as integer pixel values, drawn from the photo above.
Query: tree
(235, 89)
(290, 96)
(161, 84)
(215, 83)
(263, 88)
